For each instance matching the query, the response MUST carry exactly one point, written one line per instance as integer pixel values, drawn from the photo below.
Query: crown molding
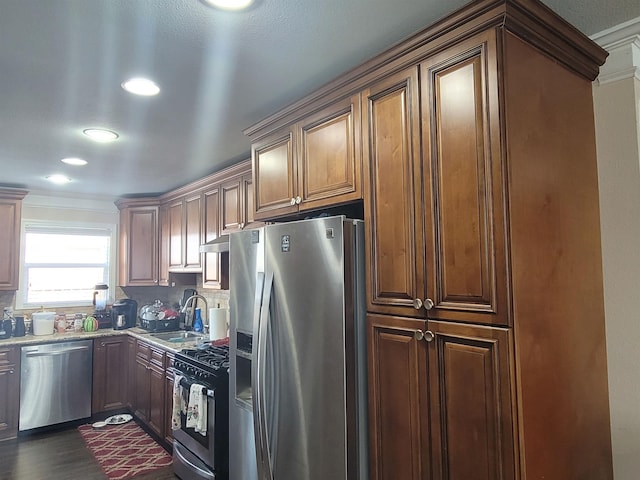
(623, 44)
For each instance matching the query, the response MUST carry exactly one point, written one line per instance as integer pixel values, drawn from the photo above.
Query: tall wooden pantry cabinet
(485, 319)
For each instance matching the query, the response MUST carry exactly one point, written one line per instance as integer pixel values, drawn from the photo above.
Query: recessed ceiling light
(58, 179)
(229, 4)
(74, 161)
(141, 86)
(100, 134)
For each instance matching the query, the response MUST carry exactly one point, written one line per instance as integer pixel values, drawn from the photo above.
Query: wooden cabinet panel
(175, 235)
(163, 259)
(131, 373)
(248, 205)
(9, 392)
(393, 211)
(150, 387)
(168, 402)
(211, 261)
(471, 402)
(142, 389)
(398, 403)
(275, 175)
(329, 156)
(231, 207)
(10, 215)
(193, 236)
(463, 184)
(139, 242)
(156, 417)
(110, 362)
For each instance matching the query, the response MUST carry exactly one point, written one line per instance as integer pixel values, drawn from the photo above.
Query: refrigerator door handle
(265, 470)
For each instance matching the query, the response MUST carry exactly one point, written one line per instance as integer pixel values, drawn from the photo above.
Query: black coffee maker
(124, 314)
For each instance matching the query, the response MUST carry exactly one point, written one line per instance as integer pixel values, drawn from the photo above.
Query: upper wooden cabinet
(211, 271)
(10, 216)
(237, 210)
(315, 162)
(139, 242)
(436, 201)
(184, 234)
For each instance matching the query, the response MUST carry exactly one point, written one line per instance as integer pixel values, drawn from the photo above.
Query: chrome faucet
(205, 326)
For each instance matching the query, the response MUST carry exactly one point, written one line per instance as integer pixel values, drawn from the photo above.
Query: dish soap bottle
(197, 322)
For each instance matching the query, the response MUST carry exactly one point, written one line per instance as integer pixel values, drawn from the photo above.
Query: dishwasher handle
(52, 353)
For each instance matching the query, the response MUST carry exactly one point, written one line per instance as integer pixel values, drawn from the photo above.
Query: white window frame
(58, 226)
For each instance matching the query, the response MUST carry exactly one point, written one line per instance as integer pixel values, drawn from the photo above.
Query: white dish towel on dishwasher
(197, 409)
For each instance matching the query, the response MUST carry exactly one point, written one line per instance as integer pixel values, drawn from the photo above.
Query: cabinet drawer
(157, 357)
(143, 350)
(8, 357)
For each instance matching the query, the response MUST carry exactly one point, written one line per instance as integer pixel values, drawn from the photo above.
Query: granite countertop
(136, 332)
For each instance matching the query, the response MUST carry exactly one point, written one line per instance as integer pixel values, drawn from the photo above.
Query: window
(62, 264)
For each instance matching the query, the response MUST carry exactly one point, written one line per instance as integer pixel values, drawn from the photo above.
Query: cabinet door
(230, 207)
(168, 403)
(275, 175)
(109, 374)
(248, 205)
(156, 419)
(471, 402)
(131, 373)
(175, 213)
(329, 155)
(163, 259)
(9, 243)
(193, 236)
(463, 184)
(139, 242)
(398, 399)
(393, 212)
(211, 261)
(9, 392)
(142, 389)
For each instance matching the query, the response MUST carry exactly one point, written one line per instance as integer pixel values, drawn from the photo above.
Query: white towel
(197, 409)
(178, 402)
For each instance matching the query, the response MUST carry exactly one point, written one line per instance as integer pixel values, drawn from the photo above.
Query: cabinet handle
(292, 201)
(418, 335)
(428, 303)
(298, 200)
(102, 344)
(429, 336)
(417, 303)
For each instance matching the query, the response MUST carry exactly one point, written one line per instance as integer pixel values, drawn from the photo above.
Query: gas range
(208, 366)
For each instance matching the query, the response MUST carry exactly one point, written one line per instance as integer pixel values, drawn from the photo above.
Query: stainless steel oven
(197, 456)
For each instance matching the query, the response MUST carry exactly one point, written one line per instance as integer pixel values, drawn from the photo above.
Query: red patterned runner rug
(124, 451)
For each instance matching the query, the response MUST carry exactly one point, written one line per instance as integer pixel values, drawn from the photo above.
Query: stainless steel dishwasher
(55, 383)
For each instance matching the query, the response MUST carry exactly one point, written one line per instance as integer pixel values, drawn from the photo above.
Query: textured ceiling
(62, 63)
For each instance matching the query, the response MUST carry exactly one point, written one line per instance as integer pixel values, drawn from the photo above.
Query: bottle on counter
(197, 322)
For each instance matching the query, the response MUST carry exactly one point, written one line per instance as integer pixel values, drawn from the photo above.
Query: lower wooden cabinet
(110, 379)
(9, 392)
(168, 401)
(440, 399)
(149, 387)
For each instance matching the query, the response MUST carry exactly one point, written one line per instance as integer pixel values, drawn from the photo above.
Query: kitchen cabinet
(110, 379)
(131, 373)
(9, 392)
(184, 234)
(211, 266)
(163, 264)
(313, 163)
(236, 205)
(139, 242)
(482, 235)
(149, 387)
(10, 216)
(454, 377)
(168, 401)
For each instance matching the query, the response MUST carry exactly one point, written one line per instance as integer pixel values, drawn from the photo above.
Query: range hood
(220, 244)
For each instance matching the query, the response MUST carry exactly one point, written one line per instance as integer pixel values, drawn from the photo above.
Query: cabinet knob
(417, 303)
(11, 372)
(429, 336)
(298, 200)
(428, 303)
(292, 201)
(102, 344)
(418, 335)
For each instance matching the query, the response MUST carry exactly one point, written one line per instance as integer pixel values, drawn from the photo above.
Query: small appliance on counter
(123, 314)
(100, 313)
(158, 318)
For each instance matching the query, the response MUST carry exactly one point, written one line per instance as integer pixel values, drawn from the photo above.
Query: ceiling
(62, 63)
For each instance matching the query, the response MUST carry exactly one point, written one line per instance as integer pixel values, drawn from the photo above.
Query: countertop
(135, 332)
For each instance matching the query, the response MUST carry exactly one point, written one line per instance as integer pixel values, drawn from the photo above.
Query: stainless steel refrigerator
(298, 406)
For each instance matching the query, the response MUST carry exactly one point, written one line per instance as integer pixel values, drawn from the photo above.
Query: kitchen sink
(178, 337)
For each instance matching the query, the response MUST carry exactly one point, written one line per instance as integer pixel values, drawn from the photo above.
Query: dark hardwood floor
(56, 455)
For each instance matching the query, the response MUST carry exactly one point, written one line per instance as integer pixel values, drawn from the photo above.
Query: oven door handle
(184, 383)
(196, 468)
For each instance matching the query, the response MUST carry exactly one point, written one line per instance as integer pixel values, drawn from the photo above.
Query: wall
(617, 113)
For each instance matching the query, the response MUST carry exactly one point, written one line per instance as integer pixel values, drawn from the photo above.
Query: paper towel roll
(217, 323)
